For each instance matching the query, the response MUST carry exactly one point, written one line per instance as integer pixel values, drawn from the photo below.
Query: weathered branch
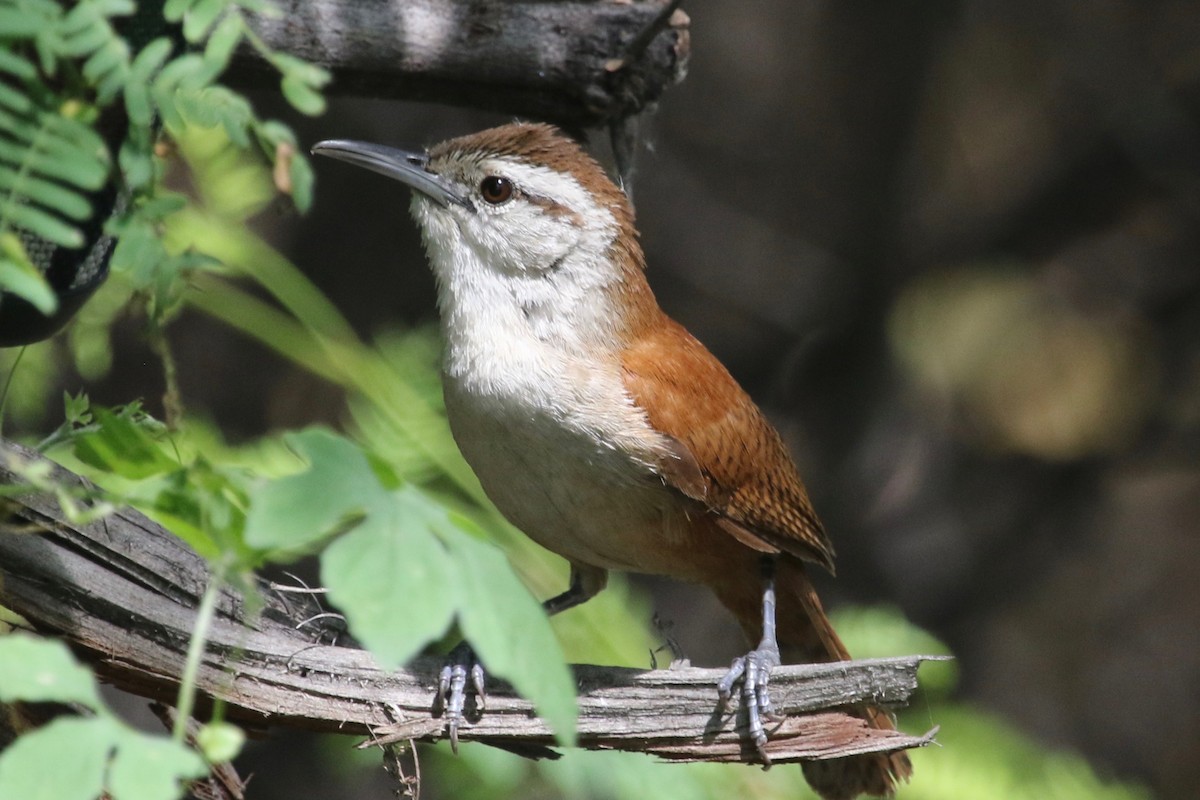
(123, 592)
(581, 62)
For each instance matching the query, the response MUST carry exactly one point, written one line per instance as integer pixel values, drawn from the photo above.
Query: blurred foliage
(66, 65)
(1021, 369)
(106, 753)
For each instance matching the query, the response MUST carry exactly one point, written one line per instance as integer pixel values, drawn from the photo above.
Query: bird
(598, 425)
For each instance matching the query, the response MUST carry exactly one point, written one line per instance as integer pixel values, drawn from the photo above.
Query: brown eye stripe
(552, 208)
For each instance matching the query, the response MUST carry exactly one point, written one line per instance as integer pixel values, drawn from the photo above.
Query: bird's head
(521, 200)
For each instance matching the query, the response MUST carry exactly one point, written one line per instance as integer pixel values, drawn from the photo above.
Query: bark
(581, 63)
(123, 592)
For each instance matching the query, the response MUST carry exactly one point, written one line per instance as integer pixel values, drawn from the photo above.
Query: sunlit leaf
(39, 670)
(36, 767)
(392, 578)
(147, 767)
(510, 632)
(292, 513)
(123, 447)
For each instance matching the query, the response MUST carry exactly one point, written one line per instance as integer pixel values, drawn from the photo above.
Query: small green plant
(105, 753)
(64, 66)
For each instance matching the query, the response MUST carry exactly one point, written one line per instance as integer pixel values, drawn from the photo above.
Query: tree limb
(123, 591)
(582, 63)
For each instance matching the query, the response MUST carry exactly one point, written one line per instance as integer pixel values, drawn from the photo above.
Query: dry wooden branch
(123, 592)
(582, 63)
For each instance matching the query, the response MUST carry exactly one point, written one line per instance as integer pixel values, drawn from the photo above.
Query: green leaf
(176, 505)
(138, 253)
(124, 447)
(137, 103)
(75, 167)
(50, 194)
(303, 97)
(223, 41)
(300, 170)
(188, 71)
(292, 513)
(40, 670)
(18, 24)
(150, 59)
(19, 276)
(173, 10)
(220, 741)
(63, 760)
(30, 285)
(200, 17)
(162, 205)
(42, 223)
(137, 160)
(76, 408)
(17, 101)
(86, 41)
(45, 44)
(215, 105)
(108, 69)
(149, 767)
(300, 70)
(143, 767)
(392, 578)
(13, 64)
(164, 100)
(510, 631)
(114, 55)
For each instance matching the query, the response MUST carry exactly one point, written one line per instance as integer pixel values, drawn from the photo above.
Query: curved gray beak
(404, 166)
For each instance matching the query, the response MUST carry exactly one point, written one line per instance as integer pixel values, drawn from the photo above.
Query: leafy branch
(64, 68)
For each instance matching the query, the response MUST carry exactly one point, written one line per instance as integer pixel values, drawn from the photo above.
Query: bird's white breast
(539, 410)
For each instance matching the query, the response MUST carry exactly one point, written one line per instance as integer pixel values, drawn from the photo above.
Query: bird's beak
(406, 167)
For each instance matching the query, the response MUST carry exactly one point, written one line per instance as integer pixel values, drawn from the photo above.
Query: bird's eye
(495, 189)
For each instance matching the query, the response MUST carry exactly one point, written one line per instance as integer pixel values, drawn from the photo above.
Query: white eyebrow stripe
(542, 182)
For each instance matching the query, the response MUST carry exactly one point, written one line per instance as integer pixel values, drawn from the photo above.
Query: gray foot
(754, 672)
(452, 688)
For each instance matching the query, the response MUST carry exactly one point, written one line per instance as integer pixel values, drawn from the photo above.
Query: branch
(581, 63)
(123, 592)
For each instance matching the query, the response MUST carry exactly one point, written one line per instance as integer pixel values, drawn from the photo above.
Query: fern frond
(63, 63)
(50, 158)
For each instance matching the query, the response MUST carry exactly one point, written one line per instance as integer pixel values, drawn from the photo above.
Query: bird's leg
(452, 687)
(754, 669)
(462, 663)
(586, 583)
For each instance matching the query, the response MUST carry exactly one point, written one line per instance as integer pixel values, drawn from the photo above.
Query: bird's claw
(452, 688)
(754, 672)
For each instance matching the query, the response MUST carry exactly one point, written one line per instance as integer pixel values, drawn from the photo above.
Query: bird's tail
(806, 636)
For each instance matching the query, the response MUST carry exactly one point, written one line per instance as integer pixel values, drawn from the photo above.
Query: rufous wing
(724, 452)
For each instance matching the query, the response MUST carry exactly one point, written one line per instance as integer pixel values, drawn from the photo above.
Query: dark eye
(495, 189)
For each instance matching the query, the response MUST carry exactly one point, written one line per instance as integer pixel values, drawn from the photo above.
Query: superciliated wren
(598, 425)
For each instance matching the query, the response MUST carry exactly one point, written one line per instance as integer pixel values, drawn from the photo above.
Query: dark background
(952, 249)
